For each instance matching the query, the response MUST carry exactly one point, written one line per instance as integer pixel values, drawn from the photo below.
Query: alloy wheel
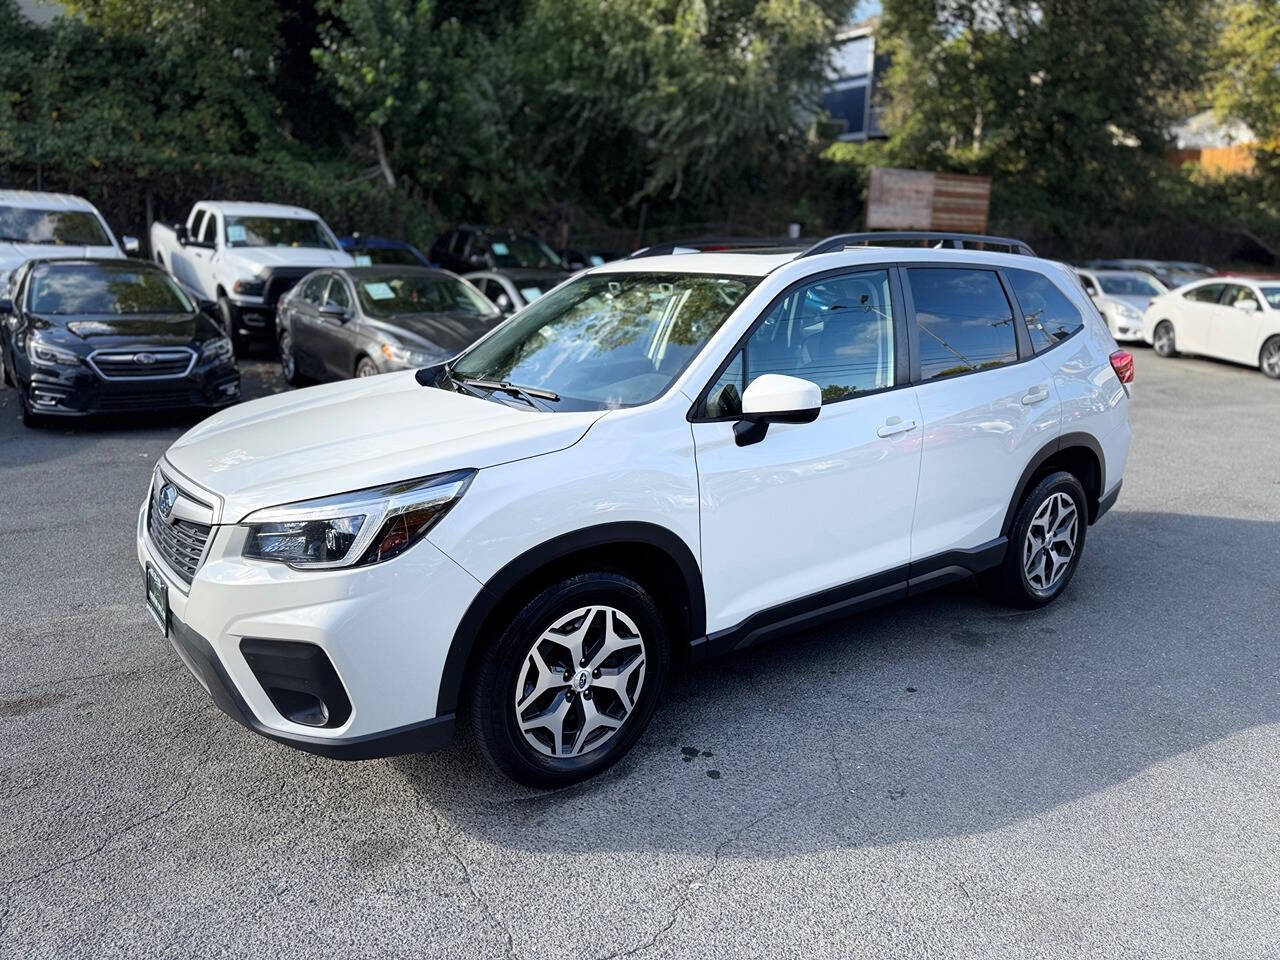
(580, 681)
(1164, 340)
(1271, 359)
(1051, 542)
(287, 363)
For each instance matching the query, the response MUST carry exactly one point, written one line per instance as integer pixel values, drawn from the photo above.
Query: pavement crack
(107, 840)
(446, 843)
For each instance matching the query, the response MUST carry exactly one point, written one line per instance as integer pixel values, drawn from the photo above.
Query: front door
(1235, 331)
(336, 335)
(819, 505)
(1198, 310)
(307, 326)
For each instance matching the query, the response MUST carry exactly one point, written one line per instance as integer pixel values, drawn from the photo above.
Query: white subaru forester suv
(666, 457)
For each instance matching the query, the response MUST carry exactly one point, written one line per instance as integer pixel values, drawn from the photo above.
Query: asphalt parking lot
(940, 778)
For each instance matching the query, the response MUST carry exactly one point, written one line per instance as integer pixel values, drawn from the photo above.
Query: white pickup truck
(52, 226)
(243, 256)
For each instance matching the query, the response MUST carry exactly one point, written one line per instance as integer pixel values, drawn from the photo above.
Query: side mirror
(1246, 306)
(334, 312)
(503, 303)
(774, 398)
(130, 245)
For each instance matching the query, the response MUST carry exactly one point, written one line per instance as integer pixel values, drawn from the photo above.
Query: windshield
(77, 228)
(1272, 296)
(390, 256)
(391, 295)
(95, 289)
(607, 340)
(522, 252)
(277, 232)
(1129, 285)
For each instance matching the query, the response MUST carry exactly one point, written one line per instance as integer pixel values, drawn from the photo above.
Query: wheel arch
(654, 555)
(1079, 454)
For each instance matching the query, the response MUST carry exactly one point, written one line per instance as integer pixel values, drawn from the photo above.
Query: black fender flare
(496, 588)
(1062, 442)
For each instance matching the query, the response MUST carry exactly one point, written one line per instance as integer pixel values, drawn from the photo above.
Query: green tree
(1246, 77)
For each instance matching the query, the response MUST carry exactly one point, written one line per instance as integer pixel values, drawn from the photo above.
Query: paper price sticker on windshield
(235, 233)
(499, 249)
(364, 260)
(379, 291)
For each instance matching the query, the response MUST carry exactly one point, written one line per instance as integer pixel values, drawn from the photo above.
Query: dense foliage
(606, 116)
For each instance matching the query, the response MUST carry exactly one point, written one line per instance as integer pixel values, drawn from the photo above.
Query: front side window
(836, 332)
(103, 289)
(964, 319)
(606, 340)
(210, 233)
(277, 232)
(77, 228)
(1050, 316)
(313, 289)
(337, 294)
(1209, 293)
(391, 295)
(1239, 294)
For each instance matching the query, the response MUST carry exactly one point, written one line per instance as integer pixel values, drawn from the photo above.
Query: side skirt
(906, 581)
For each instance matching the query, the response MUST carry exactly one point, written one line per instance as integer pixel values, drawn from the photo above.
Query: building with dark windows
(856, 68)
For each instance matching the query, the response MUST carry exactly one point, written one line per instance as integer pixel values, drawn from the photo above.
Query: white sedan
(1231, 318)
(1121, 296)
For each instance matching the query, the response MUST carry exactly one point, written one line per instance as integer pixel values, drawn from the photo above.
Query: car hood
(168, 328)
(358, 433)
(14, 255)
(1138, 303)
(450, 332)
(255, 257)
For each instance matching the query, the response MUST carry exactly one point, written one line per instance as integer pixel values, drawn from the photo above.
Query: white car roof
(35, 200)
(239, 208)
(761, 264)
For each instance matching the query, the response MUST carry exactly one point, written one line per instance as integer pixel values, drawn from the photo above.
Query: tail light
(1122, 364)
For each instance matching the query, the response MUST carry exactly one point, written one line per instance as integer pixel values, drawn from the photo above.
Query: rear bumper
(196, 652)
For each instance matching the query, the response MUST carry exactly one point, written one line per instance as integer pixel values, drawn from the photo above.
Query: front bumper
(78, 391)
(384, 633)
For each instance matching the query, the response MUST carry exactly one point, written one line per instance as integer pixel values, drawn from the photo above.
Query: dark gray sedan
(361, 321)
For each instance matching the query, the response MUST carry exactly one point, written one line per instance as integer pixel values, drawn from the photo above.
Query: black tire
(502, 665)
(29, 417)
(289, 360)
(5, 375)
(1163, 340)
(1010, 582)
(366, 368)
(230, 315)
(1269, 358)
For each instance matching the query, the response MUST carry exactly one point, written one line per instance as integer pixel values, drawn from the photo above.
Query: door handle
(894, 426)
(1036, 395)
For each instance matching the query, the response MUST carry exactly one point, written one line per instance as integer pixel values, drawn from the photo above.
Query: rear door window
(964, 320)
(1050, 316)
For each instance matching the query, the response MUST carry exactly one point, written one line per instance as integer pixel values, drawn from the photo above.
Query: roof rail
(905, 237)
(712, 245)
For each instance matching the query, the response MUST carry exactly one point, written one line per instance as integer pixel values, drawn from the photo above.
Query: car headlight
(353, 529)
(249, 288)
(218, 348)
(50, 356)
(408, 356)
(1126, 312)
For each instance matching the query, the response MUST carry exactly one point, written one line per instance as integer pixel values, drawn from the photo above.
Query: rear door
(821, 506)
(988, 405)
(1236, 331)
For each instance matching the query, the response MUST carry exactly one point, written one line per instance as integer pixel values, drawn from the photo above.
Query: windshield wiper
(527, 394)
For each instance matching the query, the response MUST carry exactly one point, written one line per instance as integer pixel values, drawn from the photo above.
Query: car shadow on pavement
(939, 717)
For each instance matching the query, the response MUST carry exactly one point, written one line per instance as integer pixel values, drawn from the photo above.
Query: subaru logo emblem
(168, 497)
(146, 359)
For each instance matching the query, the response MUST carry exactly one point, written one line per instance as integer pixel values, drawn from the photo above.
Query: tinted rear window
(965, 321)
(1050, 316)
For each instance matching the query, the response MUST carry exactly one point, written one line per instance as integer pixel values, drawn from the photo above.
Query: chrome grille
(142, 364)
(180, 541)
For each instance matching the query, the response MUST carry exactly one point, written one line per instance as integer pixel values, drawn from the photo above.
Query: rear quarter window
(1050, 315)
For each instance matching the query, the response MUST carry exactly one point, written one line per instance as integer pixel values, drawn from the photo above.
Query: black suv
(467, 249)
